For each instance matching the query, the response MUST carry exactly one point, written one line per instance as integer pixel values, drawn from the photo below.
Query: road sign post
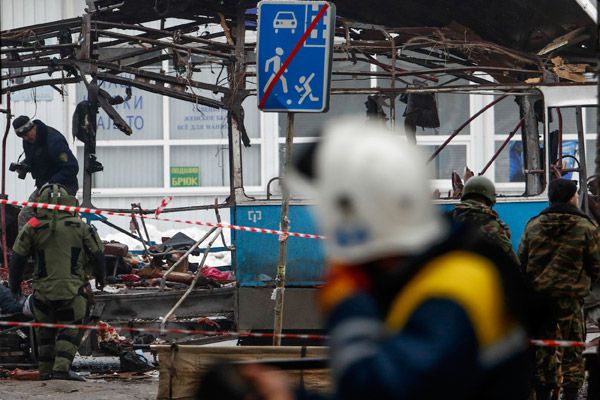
(295, 40)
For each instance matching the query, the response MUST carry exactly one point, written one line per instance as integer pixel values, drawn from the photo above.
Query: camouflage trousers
(565, 322)
(57, 347)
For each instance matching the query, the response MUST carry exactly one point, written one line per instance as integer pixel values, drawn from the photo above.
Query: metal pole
(85, 53)
(464, 124)
(510, 136)
(141, 211)
(3, 209)
(126, 232)
(583, 192)
(187, 253)
(196, 276)
(237, 81)
(284, 226)
(393, 83)
(137, 227)
(531, 147)
(560, 136)
(89, 149)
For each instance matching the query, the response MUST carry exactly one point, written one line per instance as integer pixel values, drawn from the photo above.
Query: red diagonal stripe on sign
(289, 59)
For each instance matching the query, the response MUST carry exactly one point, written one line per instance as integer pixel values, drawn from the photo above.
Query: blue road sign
(295, 40)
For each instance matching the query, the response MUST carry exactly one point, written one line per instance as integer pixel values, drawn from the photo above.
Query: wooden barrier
(182, 366)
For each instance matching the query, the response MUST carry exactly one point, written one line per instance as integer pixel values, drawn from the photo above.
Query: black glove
(100, 270)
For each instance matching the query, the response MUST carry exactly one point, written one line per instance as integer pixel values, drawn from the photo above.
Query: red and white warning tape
(559, 343)
(102, 327)
(163, 203)
(106, 328)
(182, 221)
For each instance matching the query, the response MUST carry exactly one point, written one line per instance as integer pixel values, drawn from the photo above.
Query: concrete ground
(93, 389)
(98, 389)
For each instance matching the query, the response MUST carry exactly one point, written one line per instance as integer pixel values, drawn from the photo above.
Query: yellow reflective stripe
(466, 278)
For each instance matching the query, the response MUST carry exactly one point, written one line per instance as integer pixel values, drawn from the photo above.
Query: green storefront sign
(185, 176)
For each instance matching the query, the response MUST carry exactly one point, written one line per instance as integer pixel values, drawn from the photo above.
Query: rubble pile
(154, 267)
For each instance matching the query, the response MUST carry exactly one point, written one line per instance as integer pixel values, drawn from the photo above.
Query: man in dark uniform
(61, 244)
(475, 208)
(560, 255)
(48, 156)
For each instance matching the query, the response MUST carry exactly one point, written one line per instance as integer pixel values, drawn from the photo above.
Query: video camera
(21, 168)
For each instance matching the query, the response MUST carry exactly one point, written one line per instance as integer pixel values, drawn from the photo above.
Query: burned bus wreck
(401, 60)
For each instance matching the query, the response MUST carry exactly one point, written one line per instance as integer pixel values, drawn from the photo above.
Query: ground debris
(127, 376)
(18, 374)
(97, 389)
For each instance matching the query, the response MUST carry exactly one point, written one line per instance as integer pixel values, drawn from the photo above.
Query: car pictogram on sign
(285, 20)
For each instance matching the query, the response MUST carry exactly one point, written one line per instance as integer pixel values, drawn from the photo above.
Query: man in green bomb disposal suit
(61, 244)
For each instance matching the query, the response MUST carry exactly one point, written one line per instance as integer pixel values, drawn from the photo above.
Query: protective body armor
(60, 243)
(59, 257)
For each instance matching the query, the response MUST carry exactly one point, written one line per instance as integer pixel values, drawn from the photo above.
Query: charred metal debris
(159, 45)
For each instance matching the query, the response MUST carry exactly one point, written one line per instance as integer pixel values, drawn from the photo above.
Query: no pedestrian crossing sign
(295, 40)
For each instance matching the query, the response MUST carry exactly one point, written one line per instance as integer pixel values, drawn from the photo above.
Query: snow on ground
(212, 260)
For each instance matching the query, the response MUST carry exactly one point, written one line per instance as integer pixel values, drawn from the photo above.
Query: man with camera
(47, 157)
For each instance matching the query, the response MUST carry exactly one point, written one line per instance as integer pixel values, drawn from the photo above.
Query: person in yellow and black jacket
(416, 308)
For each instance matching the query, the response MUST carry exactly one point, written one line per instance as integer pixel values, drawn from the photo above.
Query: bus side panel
(515, 214)
(257, 254)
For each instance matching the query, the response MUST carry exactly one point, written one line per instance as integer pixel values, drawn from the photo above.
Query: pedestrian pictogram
(306, 88)
(295, 40)
(275, 62)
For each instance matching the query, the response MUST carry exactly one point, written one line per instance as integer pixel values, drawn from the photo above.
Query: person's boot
(543, 393)
(68, 376)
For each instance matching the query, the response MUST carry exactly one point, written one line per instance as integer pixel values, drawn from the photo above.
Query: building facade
(180, 149)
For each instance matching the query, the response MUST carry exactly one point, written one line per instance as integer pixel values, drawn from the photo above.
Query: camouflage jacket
(560, 252)
(489, 223)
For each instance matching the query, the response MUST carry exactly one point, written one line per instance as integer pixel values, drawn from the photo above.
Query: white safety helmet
(372, 189)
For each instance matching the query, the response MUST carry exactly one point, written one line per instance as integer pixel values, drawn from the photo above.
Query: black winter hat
(561, 190)
(22, 124)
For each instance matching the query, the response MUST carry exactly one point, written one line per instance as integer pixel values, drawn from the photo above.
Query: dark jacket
(50, 158)
(446, 326)
(560, 252)
(8, 304)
